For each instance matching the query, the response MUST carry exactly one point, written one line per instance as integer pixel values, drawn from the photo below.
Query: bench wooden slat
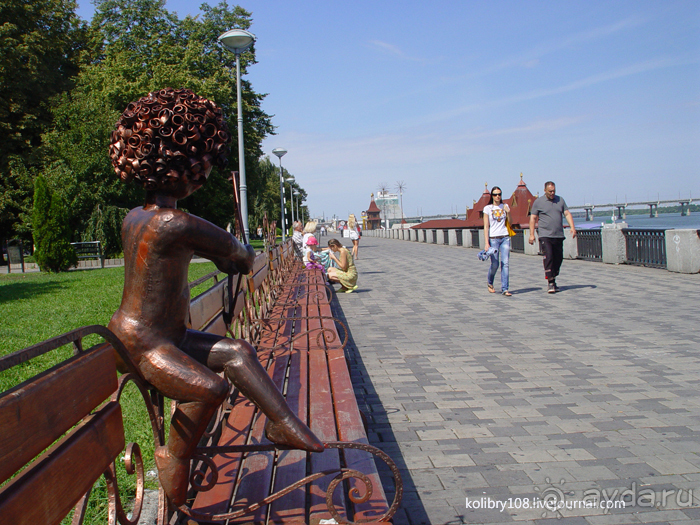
(322, 423)
(291, 464)
(35, 413)
(351, 428)
(206, 305)
(235, 432)
(259, 465)
(60, 477)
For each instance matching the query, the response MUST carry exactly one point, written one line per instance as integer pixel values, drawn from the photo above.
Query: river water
(665, 221)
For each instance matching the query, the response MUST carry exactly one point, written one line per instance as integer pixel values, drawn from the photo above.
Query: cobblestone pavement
(496, 401)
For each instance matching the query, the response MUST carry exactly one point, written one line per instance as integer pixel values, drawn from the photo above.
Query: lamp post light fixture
(280, 152)
(237, 41)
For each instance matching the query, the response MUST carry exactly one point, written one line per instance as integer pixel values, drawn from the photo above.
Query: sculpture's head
(169, 138)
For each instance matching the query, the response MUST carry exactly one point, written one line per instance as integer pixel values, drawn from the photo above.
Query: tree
(52, 234)
(39, 46)
(137, 46)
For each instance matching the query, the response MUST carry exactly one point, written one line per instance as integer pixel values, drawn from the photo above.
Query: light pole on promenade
(280, 152)
(237, 41)
(290, 179)
(297, 194)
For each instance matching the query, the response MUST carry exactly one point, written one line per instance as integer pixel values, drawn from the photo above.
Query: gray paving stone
(595, 386)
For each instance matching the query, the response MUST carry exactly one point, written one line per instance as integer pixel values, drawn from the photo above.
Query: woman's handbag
(511, 232)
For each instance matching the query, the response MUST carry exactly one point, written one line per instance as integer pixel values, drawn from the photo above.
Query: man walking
(550, 209)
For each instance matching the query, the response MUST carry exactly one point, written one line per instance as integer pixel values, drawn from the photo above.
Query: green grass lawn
(37, 306)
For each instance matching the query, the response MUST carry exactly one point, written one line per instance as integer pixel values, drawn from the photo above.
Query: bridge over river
(621, 208)
(506, 401)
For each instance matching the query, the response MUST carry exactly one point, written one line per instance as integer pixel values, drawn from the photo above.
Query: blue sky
(601, 97)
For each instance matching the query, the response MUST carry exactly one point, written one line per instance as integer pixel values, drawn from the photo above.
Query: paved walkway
(592, 392)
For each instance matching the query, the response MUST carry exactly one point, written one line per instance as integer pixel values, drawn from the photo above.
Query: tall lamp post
(297, 194)
(280, 152)
(237, 41)
(290, 179)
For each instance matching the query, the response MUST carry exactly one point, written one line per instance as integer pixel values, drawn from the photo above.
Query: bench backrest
(36, 413)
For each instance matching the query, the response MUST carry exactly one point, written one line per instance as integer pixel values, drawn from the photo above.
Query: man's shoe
(556, 288)
(551, 288)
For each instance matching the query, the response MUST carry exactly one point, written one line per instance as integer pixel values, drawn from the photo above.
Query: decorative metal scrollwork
(356, 496)
(133, 462)
(324, 335)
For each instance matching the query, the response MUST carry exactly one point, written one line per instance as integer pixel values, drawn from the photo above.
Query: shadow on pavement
(379, 431)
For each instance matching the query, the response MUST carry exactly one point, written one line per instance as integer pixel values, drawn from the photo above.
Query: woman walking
(345, 273)
(496, 236)
(354, 235)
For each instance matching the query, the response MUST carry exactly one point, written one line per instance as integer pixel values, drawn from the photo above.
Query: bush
(52, 233)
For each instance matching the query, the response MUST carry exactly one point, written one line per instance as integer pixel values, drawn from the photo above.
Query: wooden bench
(288, 317)
(238, 475)
(62, 429)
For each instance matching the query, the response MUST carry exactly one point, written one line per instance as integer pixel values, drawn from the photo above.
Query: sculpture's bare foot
(172, 473)
(293, 433)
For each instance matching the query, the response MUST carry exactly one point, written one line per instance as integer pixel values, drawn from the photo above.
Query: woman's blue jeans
(502, 246)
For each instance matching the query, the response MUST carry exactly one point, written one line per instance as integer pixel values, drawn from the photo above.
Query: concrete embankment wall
(682, 246)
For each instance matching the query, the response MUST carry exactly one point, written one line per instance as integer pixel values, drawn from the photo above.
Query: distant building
(388, 203)
(372, 218)
(520, 203)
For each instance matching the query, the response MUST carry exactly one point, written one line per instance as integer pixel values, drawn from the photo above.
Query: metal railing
(517, 242)
(645, 247)
(590, 245)
(89, 250)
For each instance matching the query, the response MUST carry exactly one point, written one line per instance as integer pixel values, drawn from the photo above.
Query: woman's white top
(497, 220)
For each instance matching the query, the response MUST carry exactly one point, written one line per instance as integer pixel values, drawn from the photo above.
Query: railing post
(614, 245)
(570, 245)
(683, 251)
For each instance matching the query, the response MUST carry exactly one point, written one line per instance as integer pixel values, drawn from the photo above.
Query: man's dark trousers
(553, 249)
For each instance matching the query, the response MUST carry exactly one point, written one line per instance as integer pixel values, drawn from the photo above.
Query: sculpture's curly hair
(168, 134)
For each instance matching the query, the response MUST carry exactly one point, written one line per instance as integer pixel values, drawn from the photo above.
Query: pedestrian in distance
(496, 236)
(354, 234)
(551, 209)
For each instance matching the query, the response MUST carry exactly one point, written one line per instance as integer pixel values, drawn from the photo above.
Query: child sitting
(310, 259)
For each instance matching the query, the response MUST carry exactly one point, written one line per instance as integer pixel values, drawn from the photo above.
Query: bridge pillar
(589, 214)
(685, 208)
(653, 209)
(621, 212)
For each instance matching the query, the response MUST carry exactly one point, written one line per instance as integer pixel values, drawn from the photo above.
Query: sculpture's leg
(188, 423)
(240, 362)
(283, 426)
(200, 392)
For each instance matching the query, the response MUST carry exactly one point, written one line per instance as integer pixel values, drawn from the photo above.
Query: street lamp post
(237, 41)
(297, 194)
(280, 152)
(290, 179)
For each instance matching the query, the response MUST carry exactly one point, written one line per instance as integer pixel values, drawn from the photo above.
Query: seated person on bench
(168, 142)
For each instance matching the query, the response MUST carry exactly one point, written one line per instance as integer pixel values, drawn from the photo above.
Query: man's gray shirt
(551, 214)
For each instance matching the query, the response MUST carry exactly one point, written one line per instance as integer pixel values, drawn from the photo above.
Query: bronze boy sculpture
(168, 142)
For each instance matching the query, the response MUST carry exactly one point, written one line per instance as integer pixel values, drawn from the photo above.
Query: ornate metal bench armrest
(204, 454)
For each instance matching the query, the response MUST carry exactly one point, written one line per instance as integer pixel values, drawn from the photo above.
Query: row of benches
(237, 474)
